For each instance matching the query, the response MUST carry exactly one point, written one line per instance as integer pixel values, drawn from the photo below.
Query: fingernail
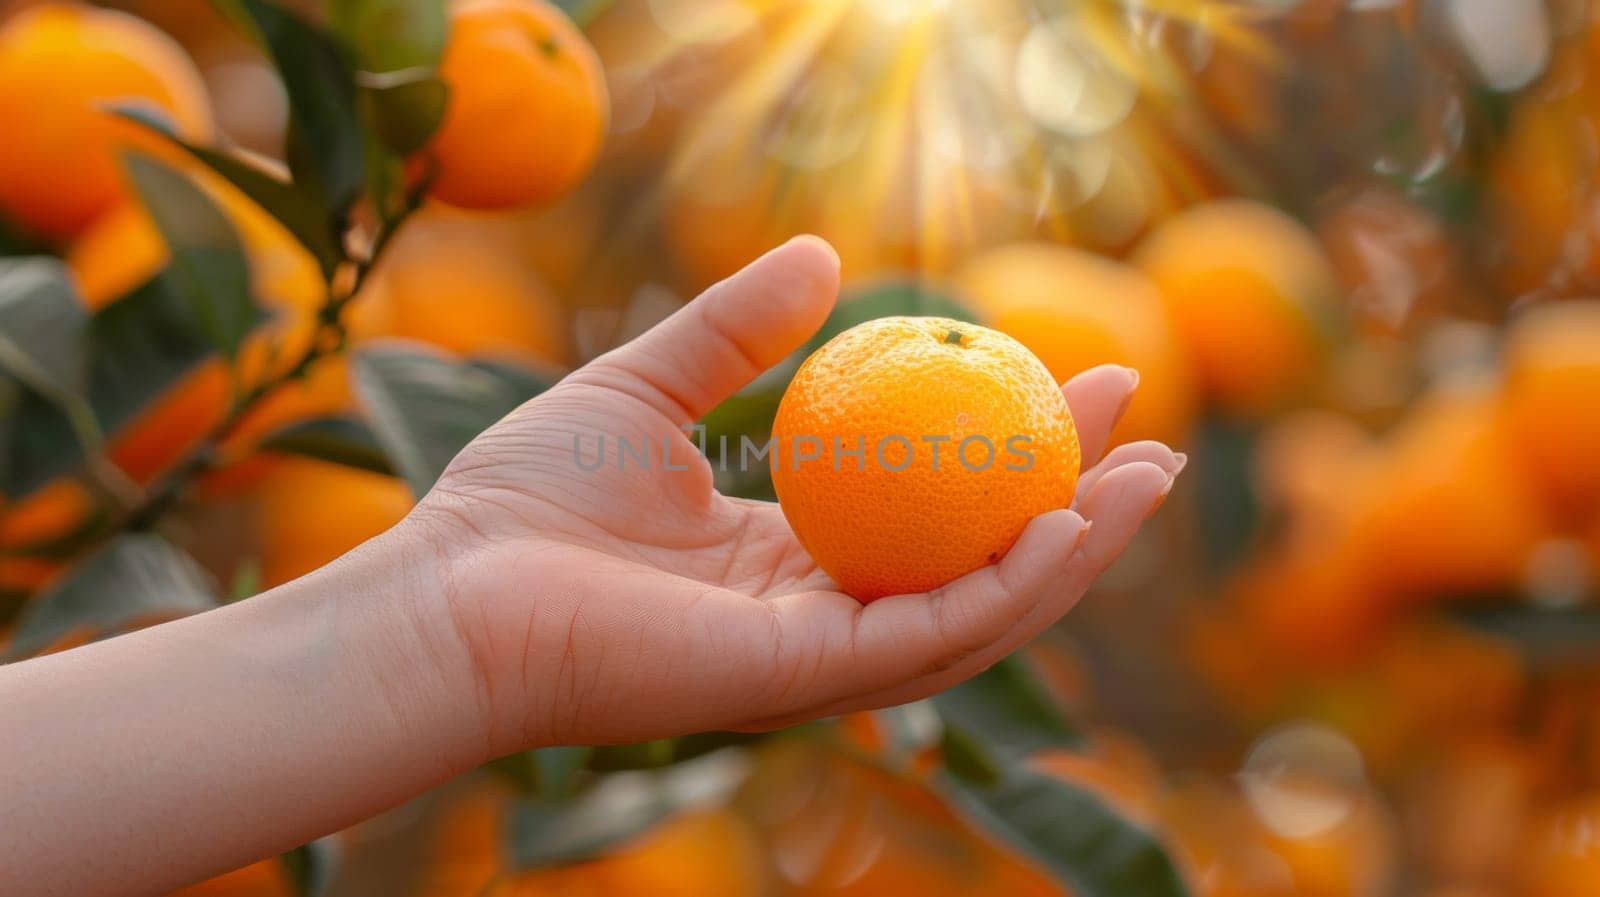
(1083, 536)
(1161, 498)
(1180, 461)
(1133, 387)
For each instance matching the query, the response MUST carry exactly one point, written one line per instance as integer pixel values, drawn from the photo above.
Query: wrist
(392, 625)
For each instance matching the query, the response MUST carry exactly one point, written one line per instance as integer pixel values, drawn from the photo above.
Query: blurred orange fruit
(527, 110)
(123, 249)
(51, 513)
(835, 827)
(462, 281)
(60, 64)
(1540, 189)
(263, 879)
(1076, 310)
(724, 213)
(1552, 404)
(908, 513)
(1562, 853)
(1250, 293)
(703, 853)
(1446, 509)
(308, 513)
(1470, 805)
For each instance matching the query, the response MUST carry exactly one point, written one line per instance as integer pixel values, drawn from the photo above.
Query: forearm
(200, 745)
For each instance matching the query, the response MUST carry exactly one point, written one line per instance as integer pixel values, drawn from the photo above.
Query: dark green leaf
(310, 867)
(388, 35)
(326, 146)
(550, 774)
(293, 205)
(42, 327)
(1069, 831)
(553, 834)
(1548, 637)
(425, 407)
(525, 383)
(139, 346)
(340, 440)
(406, 107)
(135, 577)
(1009, 710)
(208, 267)
(966, 759)
(883, 301)
(1225, 483)
(663, 752)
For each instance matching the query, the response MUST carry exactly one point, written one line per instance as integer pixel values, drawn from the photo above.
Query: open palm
(611, 602)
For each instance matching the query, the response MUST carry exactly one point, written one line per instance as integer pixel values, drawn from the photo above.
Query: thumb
(707, 350)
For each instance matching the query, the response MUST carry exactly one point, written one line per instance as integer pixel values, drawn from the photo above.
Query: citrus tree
(391, 103)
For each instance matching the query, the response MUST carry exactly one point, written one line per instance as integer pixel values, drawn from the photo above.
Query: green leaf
(310, 867)
(664, 752)
(1008, 709)
(42, 327)
(139, 346)
(340, 440)
(295, 206)
(966, 759)
(326, 145)
(135, 577)
(388, 35)
(406, 107)
(886, 300)
(208, 266)
(550, 774)
(618, 808)
(1071, 833)
(1548, 637)
(425, 407)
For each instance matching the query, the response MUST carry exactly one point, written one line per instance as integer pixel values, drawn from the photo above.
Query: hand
(613, 605)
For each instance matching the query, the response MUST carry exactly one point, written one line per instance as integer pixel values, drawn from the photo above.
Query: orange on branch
(528, 108)
(457, 279)
(963, 435)
(264, 879)
(1446, 509)
(1076, 310)
(1551, 402)
(61, 64)
(308, 513)
(1250, 292)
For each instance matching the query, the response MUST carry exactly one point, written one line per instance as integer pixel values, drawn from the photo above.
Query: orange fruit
(836, 827)
(60, 63)
(1562, 855)
(461, 281)
(963, 436)
(528, 107)
(1540, 188)
(51, 513)
(703, 853)
(308, 513)
(123, 249)
(263, 879)
(1075, 310)
(1470, 805)
(1250, 292)
(1551, 400)
(1447, 509)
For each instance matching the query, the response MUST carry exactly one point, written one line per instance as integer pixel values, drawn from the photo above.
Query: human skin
(523, 603)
